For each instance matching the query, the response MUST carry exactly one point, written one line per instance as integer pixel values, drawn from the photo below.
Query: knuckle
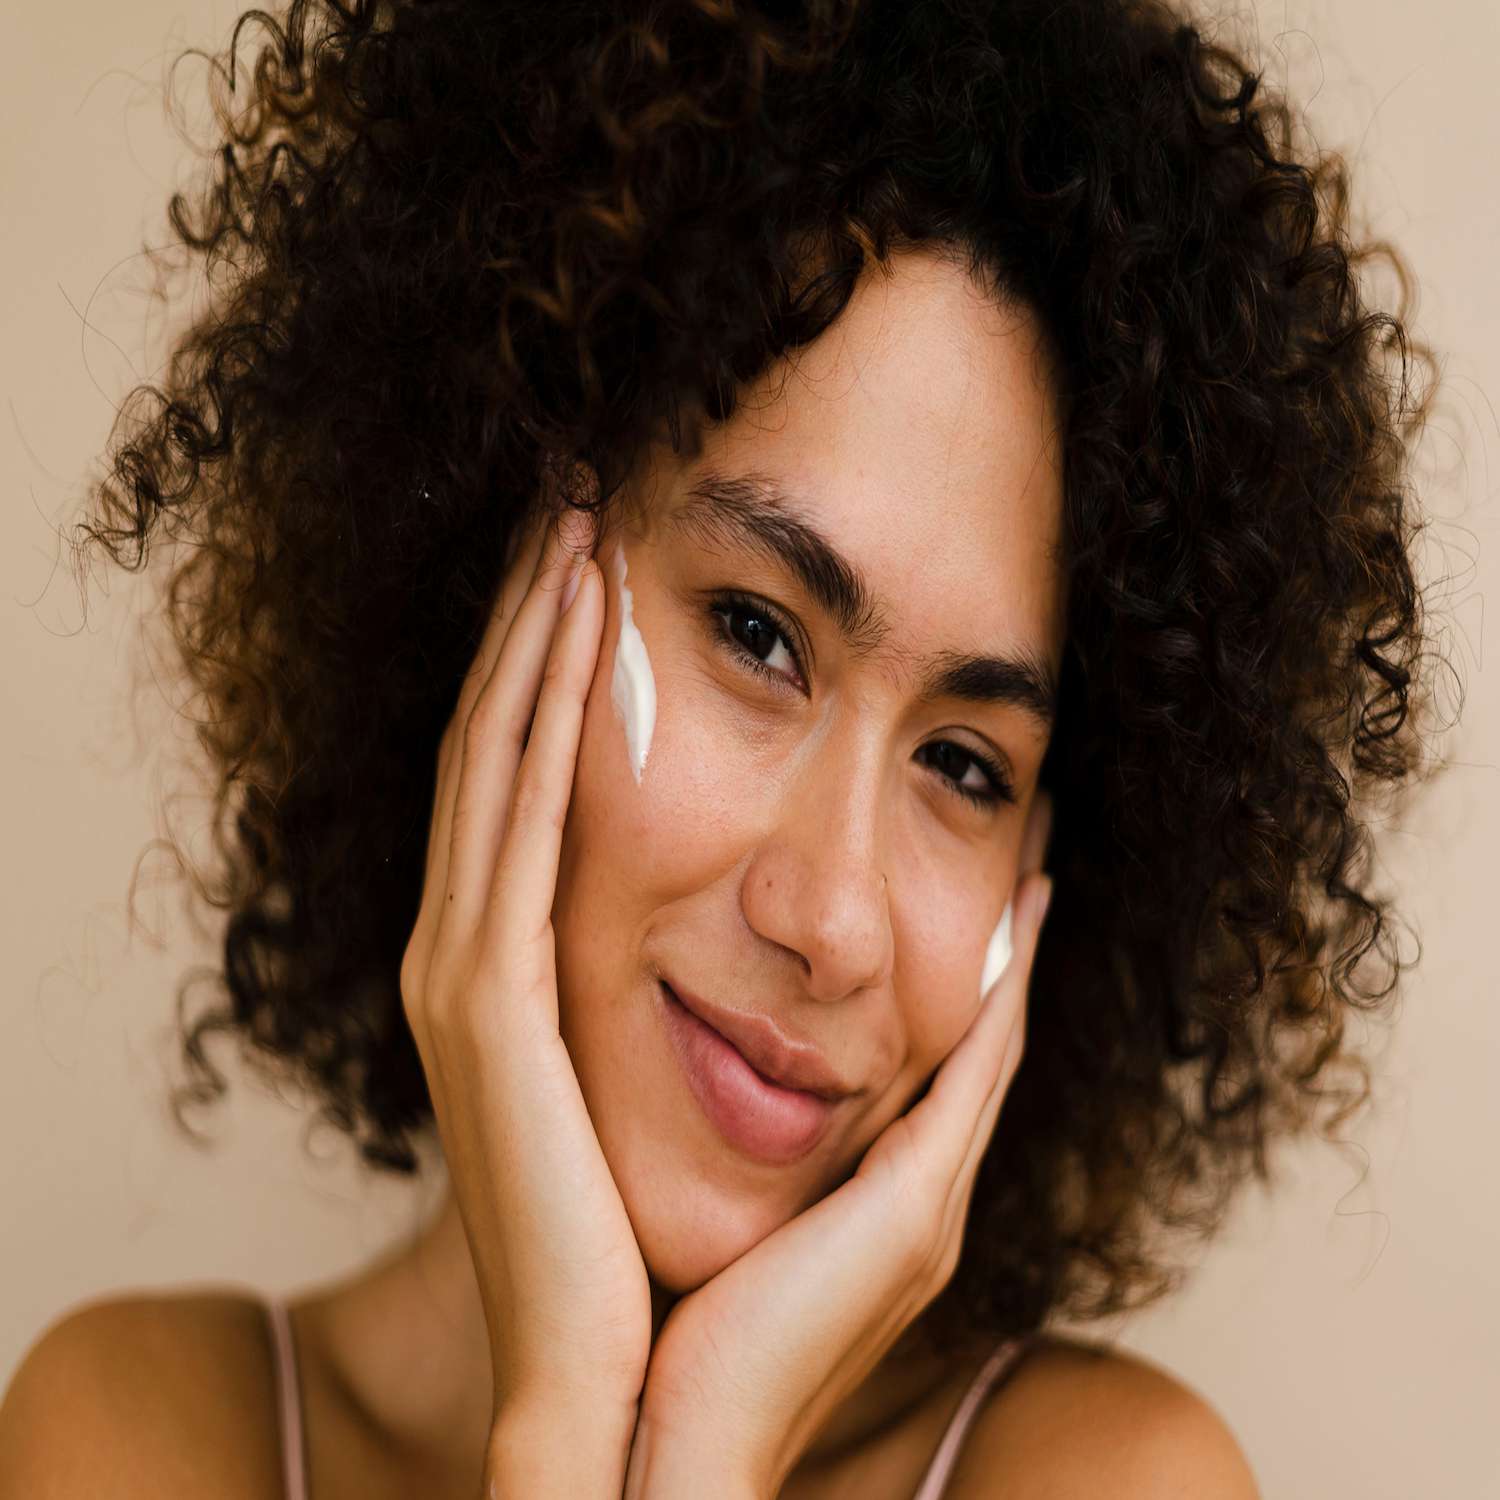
(533, 811)
(479, 727)
(409, 977)
(430, 978)
(460, 1019)
(935, 1233)
(448, 1020)
(555, 673)
(947, 1264)
(413, 1005)
(525, 802)
(921, 1255)
(931, 1243)
(491, 716)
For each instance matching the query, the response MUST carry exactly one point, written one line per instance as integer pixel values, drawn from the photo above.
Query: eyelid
(789, 632)
(994, 767)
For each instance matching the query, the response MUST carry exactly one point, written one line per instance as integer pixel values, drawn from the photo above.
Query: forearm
(661, 1469)
(544, 1454)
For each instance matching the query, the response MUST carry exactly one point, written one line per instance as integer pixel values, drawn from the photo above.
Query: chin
(688, 1232)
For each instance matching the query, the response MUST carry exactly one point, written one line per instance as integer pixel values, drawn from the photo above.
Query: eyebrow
(756, 512)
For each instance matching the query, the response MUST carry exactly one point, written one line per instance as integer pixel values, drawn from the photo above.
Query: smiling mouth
(762, 1119)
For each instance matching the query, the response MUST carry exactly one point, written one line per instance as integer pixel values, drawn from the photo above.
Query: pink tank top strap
(994, 1369)
(289, 1401)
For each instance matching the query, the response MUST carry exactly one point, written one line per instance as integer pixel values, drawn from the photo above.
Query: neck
(407, 1339)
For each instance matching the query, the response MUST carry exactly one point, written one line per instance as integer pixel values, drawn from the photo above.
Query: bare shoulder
(163, 1394)
(1080, 1419)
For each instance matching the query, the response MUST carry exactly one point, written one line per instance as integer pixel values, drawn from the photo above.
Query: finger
(541, 554)
(963, 1098)
(527, 562)
(1003, 1007)
(972, 1068)
(525, 869)
(1038, 890)
(490, 746)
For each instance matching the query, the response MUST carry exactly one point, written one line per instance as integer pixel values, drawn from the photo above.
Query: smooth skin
(608, 1303)
(807, 1314)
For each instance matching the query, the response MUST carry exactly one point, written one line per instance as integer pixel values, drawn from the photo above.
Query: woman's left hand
(748, 1367)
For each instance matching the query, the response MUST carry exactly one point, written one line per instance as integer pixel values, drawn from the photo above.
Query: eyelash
(725, 604)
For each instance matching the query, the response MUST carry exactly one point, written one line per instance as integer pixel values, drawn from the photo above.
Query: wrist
(543, 1451)
(663, 1468)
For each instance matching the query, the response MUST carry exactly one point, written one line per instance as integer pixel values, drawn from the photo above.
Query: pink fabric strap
(936, 1478)
(293, 1460)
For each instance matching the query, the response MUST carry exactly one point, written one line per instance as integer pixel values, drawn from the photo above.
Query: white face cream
(633, 688)
(997, 955)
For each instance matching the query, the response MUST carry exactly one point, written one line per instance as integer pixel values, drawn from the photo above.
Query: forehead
(920, 432)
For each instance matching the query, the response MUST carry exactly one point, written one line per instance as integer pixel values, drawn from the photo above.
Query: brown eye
(751, 629)
(995, 787)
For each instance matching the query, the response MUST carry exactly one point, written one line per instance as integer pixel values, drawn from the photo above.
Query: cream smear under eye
(633, 693)
(997, 954)
(633, 687)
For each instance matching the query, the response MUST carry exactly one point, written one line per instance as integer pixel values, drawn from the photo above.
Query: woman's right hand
(566, 1294)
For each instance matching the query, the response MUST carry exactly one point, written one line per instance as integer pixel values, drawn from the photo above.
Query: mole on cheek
(633, 689)
(997, 954)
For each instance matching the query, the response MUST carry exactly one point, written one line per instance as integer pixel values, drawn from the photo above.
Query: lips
(761, 1118)
(778, 1058)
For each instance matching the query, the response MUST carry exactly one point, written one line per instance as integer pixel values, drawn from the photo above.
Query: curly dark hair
(455, 246)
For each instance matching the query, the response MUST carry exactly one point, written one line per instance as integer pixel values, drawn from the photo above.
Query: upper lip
(767, 1048)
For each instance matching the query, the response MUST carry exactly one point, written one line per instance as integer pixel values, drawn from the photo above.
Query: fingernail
(570, 588)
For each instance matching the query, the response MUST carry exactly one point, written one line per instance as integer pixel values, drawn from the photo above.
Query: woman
(987, 484)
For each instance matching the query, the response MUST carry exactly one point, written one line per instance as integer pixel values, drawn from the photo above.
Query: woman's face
(797, 845)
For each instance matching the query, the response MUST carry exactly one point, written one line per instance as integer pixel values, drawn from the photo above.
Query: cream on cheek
(633, 693)
(633, 687)
(997, 954)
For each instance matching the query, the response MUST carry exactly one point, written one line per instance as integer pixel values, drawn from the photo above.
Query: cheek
(694, 804)
(952, 946)
(660, 785)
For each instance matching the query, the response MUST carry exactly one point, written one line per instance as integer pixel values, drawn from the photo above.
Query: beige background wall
(1349, 1326)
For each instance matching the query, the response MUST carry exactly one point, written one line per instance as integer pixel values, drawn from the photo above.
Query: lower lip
(767, 1122)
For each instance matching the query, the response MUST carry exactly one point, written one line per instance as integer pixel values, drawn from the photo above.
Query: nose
(815, 885)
